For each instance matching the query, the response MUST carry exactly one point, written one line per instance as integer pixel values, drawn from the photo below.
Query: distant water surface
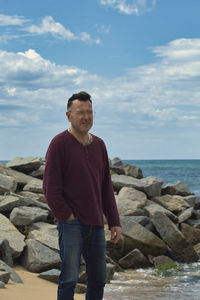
(4, 161)
(170, 171)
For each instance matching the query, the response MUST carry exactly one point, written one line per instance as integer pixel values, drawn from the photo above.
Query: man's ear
(68, 115)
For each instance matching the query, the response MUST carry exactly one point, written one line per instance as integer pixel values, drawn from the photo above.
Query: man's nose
(87, 115)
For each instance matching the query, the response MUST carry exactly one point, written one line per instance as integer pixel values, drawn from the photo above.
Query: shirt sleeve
(53, 181)
(109, 203)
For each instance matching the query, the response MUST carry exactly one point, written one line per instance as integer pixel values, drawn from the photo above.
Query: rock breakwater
(159, 223)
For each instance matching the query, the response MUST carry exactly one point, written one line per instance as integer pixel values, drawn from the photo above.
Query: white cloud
(5, 38)
(30, 70)
(180, 49)
(85, 37)
(158, 91)
(6, 20)
(133, 7)
(162, 97)
(47, 26)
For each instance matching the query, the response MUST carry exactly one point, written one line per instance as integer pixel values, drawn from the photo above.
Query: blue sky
(139, 60)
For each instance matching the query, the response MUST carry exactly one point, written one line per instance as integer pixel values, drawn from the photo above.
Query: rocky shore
(160, 224)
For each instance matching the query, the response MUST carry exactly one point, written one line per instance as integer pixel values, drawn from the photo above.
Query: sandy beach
(33, 288)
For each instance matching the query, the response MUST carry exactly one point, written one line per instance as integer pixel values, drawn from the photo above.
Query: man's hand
(71, 217)
(115, 233)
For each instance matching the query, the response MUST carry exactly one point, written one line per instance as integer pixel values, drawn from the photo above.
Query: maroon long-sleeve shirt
(77, 180)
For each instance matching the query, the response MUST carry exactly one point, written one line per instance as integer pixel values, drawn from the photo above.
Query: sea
(146, 284)
(171, 171)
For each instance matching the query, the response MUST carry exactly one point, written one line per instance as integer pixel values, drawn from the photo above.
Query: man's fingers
(115, 234)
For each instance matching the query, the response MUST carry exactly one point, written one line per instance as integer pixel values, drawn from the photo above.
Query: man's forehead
(79, 104)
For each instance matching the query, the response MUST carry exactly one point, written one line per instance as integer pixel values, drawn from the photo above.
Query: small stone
(50, 275)
(110, 272)
(2, 285)
(80, 288)
(4, 276)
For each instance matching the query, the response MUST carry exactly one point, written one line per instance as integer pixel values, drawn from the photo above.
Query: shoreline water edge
(160, 223)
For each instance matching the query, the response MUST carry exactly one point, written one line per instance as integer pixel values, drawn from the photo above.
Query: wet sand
(33, 288)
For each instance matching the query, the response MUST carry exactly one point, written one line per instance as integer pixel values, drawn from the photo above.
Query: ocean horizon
(172, 170)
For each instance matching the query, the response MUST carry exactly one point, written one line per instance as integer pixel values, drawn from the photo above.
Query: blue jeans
(76, 239)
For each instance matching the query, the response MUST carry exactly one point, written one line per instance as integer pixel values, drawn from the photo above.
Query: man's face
(80, 115)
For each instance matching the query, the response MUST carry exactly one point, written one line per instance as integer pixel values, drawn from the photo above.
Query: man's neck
(82, 137)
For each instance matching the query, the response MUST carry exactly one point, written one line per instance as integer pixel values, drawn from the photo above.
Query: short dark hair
(81, 96)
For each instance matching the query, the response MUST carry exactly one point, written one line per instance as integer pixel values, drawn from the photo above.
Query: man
(78, 189)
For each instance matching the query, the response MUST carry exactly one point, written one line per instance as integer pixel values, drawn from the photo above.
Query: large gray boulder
(129, 208)
(117, 266)
(160, 260)
(120, 181)
(177, 188)
(38, 257)
(151, 185)
(25, 164)
(191, 234)
(185, 215)
(7, 184)
(130, 202)
(6, 252)
(117, 170)
(114, 251)
(116, 161)
(133, 195)
(13, 275)
(39, 172)
(8, 203)
(25, 215)
(45, 233)
(21, 179)
(4, 276)
(151, 208)
(136, 236)
(142, 220)
(34, 186)
(134, 259)
(9, 232)
(174, 238)
(133, 171)
(197, 202)
(175, 204)
(191, 199)
(32, 196)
